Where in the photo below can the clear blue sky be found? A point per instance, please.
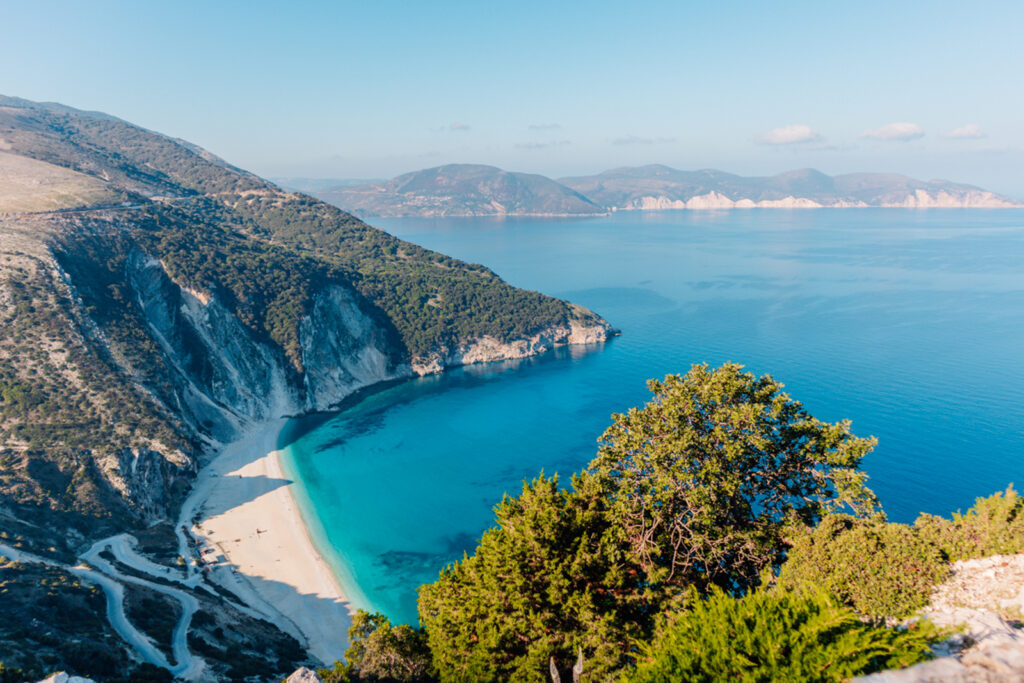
(372, 89)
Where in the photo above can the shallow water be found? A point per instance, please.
(908, 322)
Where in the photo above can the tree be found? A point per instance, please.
(693, 491)
(704, 479)
(548, 580)
(379, 651)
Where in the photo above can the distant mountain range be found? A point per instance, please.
(463, 190)
(478, 190)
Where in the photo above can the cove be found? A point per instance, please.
(907, 322)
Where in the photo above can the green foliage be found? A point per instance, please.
(549, 579)
(765, 637)
(994, 526)
(697, 489)
(10, 675)
(703, 480)
(54, 622)
(379, 651)
(434, 301)
(878, 568)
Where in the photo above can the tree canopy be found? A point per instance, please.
(692, 491)
(702, 480)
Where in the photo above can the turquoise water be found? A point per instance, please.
(910, 323)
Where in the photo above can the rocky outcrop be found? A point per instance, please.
(225, 377)
(151, 480)
(488, 349)
(343, 350)
(62, 677)
(984, 601)
(979, 199)
(303, 675)
(228, 378)
(919, 199)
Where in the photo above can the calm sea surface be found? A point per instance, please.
(908, 322)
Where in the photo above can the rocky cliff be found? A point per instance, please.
(657, 187)
(154, 303)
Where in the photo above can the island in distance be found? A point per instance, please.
(478, 190)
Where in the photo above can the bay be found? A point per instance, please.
(908, 322)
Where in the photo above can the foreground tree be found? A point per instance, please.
(703, 480)
(379, 651)
(549, 579)
(692, 491)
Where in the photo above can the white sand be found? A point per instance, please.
(254, 538)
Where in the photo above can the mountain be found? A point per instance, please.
(155, 303)
(474, 190)
(661, 187)
(462, 190)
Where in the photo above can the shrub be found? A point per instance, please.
(775, 637)
(548, 580)
(994, 526)
(379, 651)
(878, 568)
(10, 675)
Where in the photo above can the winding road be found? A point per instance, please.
(103, 573)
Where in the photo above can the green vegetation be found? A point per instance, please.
(878, 568)
(695, 490)
(379, 651)
(432, 300)
(54, 622)
(763, 637)
(98, 426)
(707, 541)
(552, 577)
(704, 479)
(10, 675)
(994, 526)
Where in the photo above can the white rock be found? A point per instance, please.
(303, 675)
(62, 677)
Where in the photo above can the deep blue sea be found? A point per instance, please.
(908, 322)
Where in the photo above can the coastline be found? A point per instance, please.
(253, 541)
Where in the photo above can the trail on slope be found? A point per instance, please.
(103, 573)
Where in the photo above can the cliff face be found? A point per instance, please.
(343, 350)
(227, 379)
(157, 301)
(654, 188)
(155, 304)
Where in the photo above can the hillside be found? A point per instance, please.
(473, 190)
(462, 190)
(155, 303)
(661, 187)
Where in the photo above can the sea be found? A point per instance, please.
(910, 323)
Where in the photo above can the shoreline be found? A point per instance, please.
(253, 541)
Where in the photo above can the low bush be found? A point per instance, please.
(775, 636)
(879, 569)
(994, 526)
(379, 651)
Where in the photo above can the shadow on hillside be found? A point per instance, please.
(319, 622)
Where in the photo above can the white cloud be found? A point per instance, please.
(895, 131)
(971, 131)
(789, 135)
(459, 126)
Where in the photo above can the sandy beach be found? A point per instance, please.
(253, 542)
